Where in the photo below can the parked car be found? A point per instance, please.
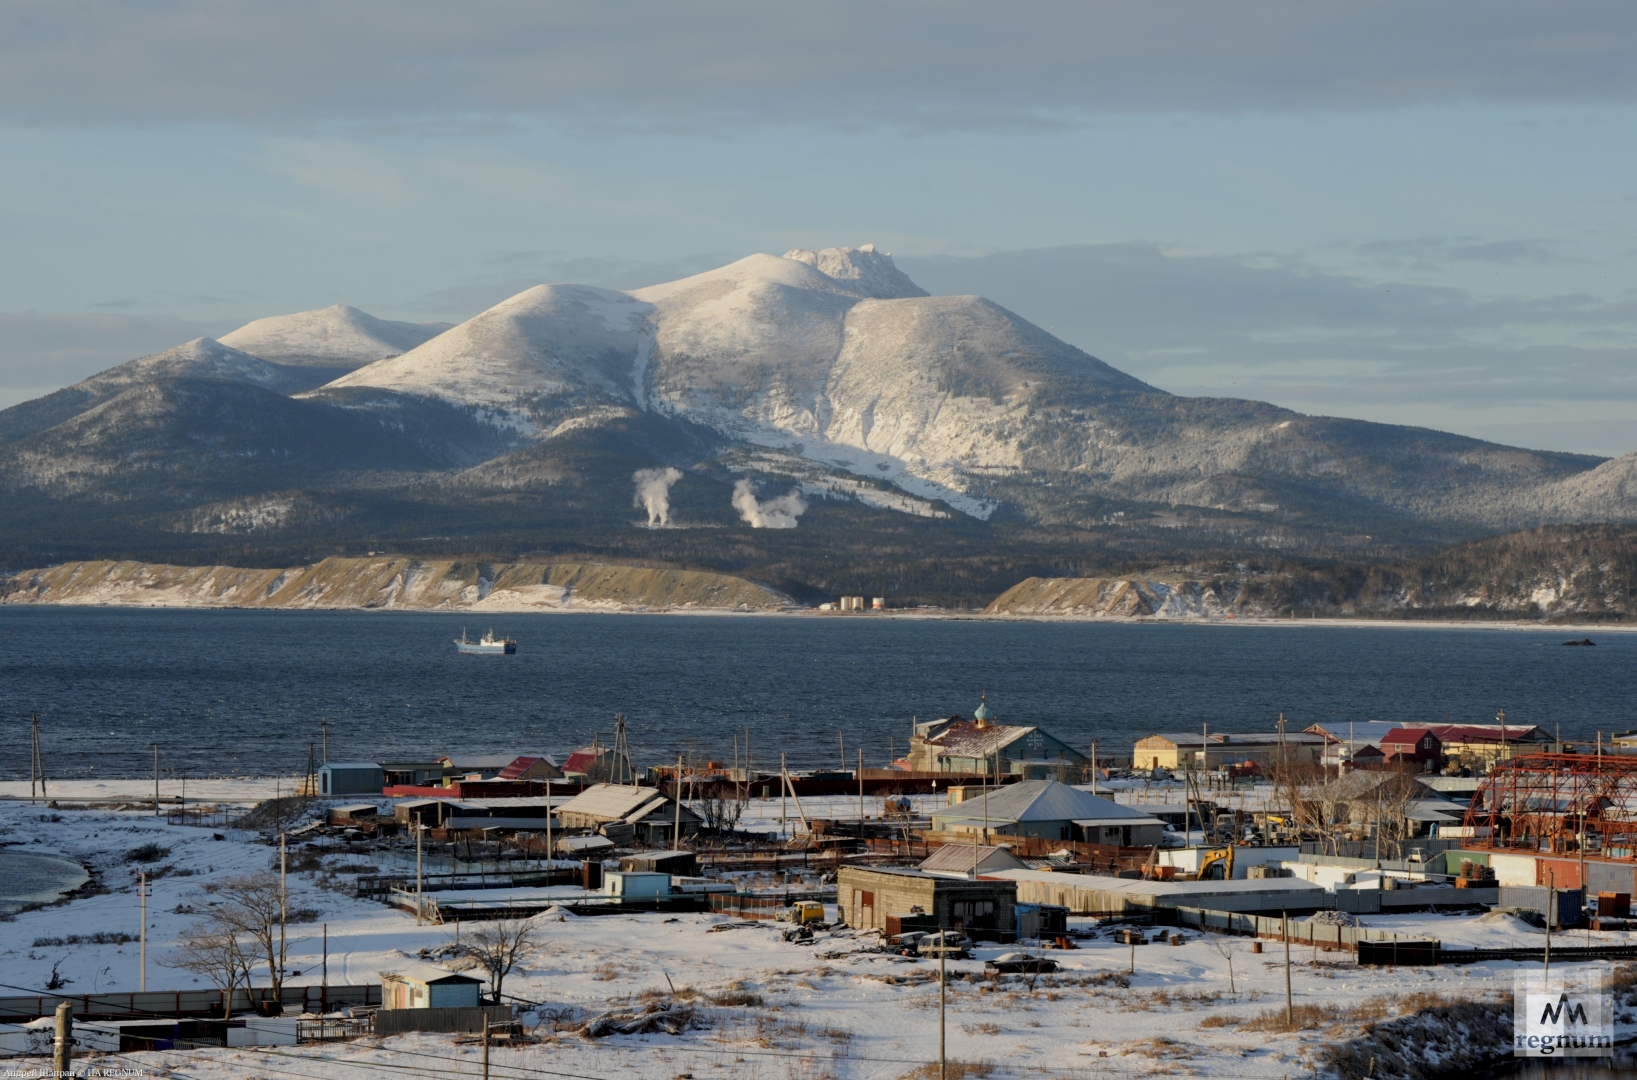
(804, 911)
(1016, 963)
(930, 944)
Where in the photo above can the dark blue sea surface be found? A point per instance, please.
(242, 692)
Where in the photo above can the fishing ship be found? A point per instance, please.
(489, 645)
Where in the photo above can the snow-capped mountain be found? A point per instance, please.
(829, 370)
(335, 336)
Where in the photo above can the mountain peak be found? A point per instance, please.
(869, 271)
(338, 335)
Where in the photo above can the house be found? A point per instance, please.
(680, 863)
(530, 767)
(350, 778)
(474, 766)
(1050, 811)
(1418, 745)
(970, 860)
(425, 986)
(981, 908)
(983, 747)
(596, 764)
(1199, 750)
(530, 813)
(412, 773)
(640, 813)
(1480, 746)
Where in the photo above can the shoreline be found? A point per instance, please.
(1346, 622)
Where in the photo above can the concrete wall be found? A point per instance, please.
(867, 898)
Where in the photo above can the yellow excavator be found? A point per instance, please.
(1216, 865)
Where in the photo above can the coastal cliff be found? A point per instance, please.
(391, 582)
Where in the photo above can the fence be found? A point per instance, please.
(466, 1018)
(1318, 935)
(181, 1003)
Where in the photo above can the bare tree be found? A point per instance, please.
(1394, 795)
(254, 907)
(212, 948)
(499, 947)
(1226, 946)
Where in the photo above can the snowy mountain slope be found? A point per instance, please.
(336, 336)
(528, 359)
(835, 358)
(202, 358)
(187, 432)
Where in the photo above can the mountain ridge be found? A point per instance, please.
(827, 376)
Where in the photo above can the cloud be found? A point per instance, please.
(39, 353)
(920, 63)
(1516, 369)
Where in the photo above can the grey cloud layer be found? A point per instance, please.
(940, 63)
(1312, 339)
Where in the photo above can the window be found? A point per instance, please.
(972, 909)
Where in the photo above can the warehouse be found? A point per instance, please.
(981, 908)
(1050, 811)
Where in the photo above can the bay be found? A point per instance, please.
(242, 692)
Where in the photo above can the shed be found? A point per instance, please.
(426, 986)
(428, 812)
(1051, 811)
(680, 863)
(650, 814)
(353, 812)
(632, 885)
(350, 778)
(981, 908)
(958, 860)
(583, 845)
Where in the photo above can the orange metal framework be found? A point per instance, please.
(1547, 802)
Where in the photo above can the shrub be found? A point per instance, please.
(147, 853)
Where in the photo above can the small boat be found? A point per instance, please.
(488, 646)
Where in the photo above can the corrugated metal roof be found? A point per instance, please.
(611, 802)
(967, 740)
(958, 858)
(1042, 800)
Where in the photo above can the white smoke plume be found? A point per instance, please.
(654, 494)
(780, 513)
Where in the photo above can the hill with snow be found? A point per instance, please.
(335, 336)
(824, 378)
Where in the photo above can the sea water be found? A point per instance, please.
(243, 692)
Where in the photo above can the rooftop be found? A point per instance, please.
(1042, 800)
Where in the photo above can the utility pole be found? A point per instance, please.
(36, 763)
(1290, 1008)
(420, 906)
(842, 735)
(1551, 915)
(62, 1047)
(784, 786)
(155, 779)
(142, 972)
(676, 835)
(485, 1046)
(861, 793)
(1094, 767)
(324, 733)
(943, 987)
(324, 965)
(284, 908)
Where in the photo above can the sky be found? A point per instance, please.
(1402, 212)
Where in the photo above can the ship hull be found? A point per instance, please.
(499, 648)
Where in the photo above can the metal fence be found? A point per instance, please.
(1320, 935)
(467, 1018)
(182, 1003)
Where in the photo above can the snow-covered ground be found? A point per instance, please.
(786, 1010)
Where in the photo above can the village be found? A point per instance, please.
(1345, 900)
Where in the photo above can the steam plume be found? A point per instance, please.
(780, 513)
(654, 494)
